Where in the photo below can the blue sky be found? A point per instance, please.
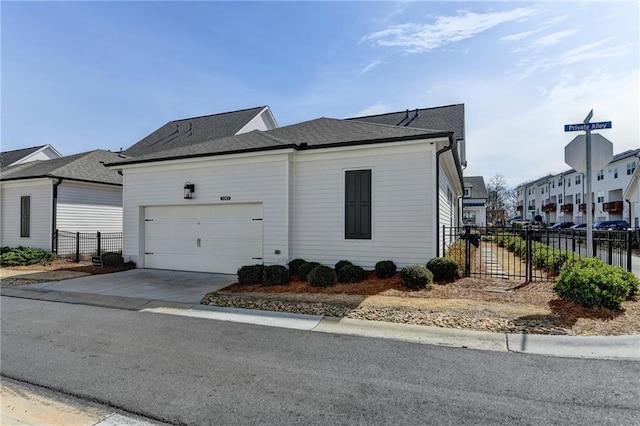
(87, 75)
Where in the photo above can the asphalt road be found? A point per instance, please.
(198, 371)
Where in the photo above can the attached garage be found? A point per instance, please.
(206, 238)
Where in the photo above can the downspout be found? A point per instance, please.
(456, 158)
(54, 209)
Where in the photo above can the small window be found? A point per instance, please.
(559, 198)
(578, 178)
(578, 198)
(467, 192)
(600, 196)
(631, 167)
(553, 183)
(615, 173)
(357, 223)
(600, 175)
(25, 216)
(560, 182)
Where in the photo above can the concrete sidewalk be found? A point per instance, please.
(597, 347)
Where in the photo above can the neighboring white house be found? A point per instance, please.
(322, 190)
(474, 202)
(25, 155)
(632, 196)
(75, 193)
(562, 197)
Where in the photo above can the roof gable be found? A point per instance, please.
(192, 131)
(8, 158)
(477, 186)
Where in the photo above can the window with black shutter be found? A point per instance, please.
(357, 222)
(25, 216)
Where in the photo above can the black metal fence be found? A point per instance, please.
(83, 245)
(530, 254)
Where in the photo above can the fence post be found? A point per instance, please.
(444, 235)
(77, 247)
(629, 248)
(467, 251)
(610, 248)
(98, 238)
(528, 260)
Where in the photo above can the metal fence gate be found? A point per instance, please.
(83, 245)
(530, 254)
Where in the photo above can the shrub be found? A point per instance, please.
(350, 274)
(20, 256)
(294, 266)
(305, 268)
(590, 282)
(443, 269)
(416, 277)
(275, 275)
(385, 269)
(340, 264)
(322, 276)
(112, 260)
(473, 237)
(250, 274)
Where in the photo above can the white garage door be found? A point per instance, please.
(206, 238)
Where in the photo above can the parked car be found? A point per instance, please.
(611, 225)
(562, 225)
(578, 227)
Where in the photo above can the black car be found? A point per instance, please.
(611, 225)
(562, 225)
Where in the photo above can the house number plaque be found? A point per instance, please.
(225, 198)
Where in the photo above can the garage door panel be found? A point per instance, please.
(206, 238)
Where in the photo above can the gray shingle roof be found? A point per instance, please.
(448, 118)
(191, 131)
(321, 132)
(478, 188)
(9, 157)
(87, 166)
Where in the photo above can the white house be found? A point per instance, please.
(322, 190)
(25, 155)
(474, 202)
(562, 197)
(75, 193)
(632, 196)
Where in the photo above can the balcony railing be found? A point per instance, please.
(566, 208)
(547, 208)
(583, 207)
(613, 207)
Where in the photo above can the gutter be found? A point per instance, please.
(54, 209)
(452, 146)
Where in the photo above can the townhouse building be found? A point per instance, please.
(562, 197)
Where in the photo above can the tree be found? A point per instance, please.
(501, 200)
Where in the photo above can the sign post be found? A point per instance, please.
(583, 154)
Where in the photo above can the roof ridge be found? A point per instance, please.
(404, 111)
(218, 113)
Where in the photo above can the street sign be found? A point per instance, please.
(575, 154)
(587, 126)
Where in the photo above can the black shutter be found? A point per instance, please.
(357, 223)
(25, 216)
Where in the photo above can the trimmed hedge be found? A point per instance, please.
(350, 274)
(250, 274)
(590, 282)
(443, 268)
(305, 269)
(385, 269)
(340, 264)
(542, 255)
(322, 276)
(112, 260)
(294, 266)
(417, 277)
(275, 275)
(21, 256)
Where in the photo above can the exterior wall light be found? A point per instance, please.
(189, 189)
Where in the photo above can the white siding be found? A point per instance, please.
(257, 179)
(40, 192)
(89, 207)
(402, 205)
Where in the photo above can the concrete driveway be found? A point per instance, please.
(154, 284)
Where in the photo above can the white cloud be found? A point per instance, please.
(554, 38)
(445, 30)
(377, 108)
(371, 66)
(519, 36)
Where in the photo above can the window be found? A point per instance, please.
(467, 192)
(600, 175)
(469, 217)
(357, 223)
(559, 198)
(25, 216)
(560, 182)
(553, 183)
(615, 173)
(600, 196)
(543, 190)
(578, 198)
(631, 167)
(578, 178)
(568, 182)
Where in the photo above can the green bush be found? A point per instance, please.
(591, 282)
(322, 276)
(385, 269)
(20, 256)
(340, 264)
(416, 277)
(294, 266)
(275, 275)
(443, 268)
(305, 268)
(112, 260)
(250, 274)
(350, 274)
